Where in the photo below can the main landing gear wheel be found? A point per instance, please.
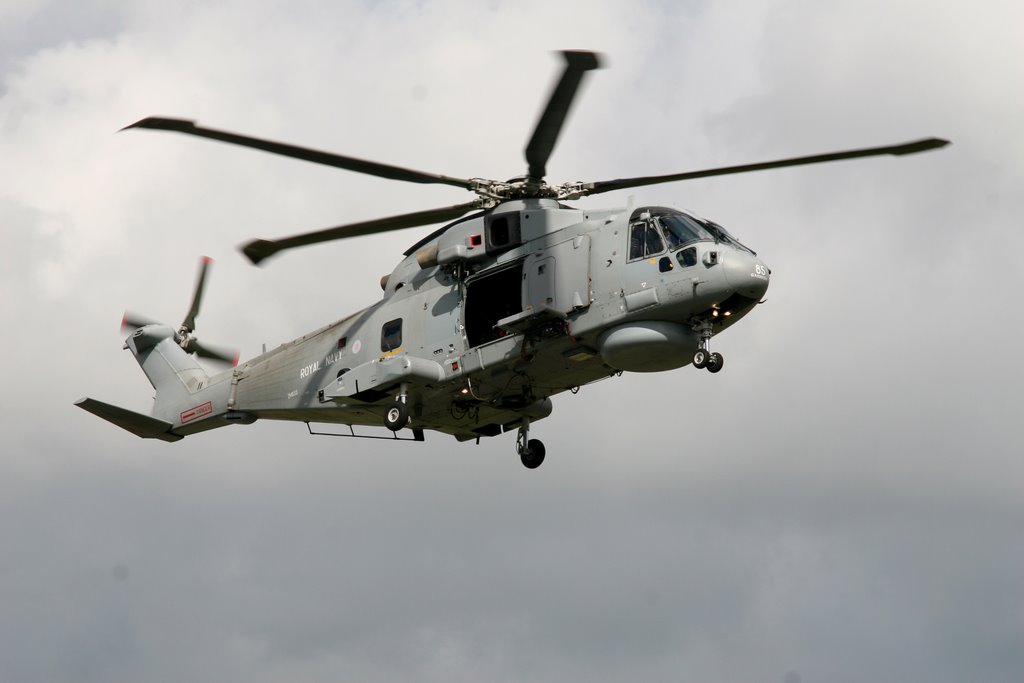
(397, 416)
(701, 358)
(715, 362)
(533, 455)
(531, 451)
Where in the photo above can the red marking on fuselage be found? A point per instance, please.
(197, 412)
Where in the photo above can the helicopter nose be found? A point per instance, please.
(747, 274)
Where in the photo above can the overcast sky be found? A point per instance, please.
(843, 503)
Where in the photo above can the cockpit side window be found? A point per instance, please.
(636, 240)
(644, 240)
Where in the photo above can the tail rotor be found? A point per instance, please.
(185, 334)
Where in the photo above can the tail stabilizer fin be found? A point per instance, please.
(174, 373)
(141, 425)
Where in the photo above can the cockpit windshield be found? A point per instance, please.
(722, 235)
(680, 229)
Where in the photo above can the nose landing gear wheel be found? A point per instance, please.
(397, 416)
(715, 362)
(701, 358)
(533, 455)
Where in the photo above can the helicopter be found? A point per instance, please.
(484, 319)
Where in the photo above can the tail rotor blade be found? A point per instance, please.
(133, 321)
(213, 352)
(189, 323)
(183, 336)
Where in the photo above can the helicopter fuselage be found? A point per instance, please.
(488, 318)
(485, 319)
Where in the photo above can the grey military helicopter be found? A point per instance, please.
(483, 320)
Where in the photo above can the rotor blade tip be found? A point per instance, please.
(162, 123)
(206, 260)
(138, 124)
(922, 146)
(584, 60)
(258, 250)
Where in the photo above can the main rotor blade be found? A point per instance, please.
(317, 157)
(189, 323)
(545, 135)
(257, 250)
(905, 148)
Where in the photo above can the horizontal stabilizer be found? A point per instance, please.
(141, 425)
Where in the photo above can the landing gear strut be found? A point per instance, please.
(703, 357)
(531, 451)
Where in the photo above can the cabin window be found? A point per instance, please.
(644, 241)
(391, 335)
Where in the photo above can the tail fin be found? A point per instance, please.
(173, 373)
(165, 356)
(177, 378)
